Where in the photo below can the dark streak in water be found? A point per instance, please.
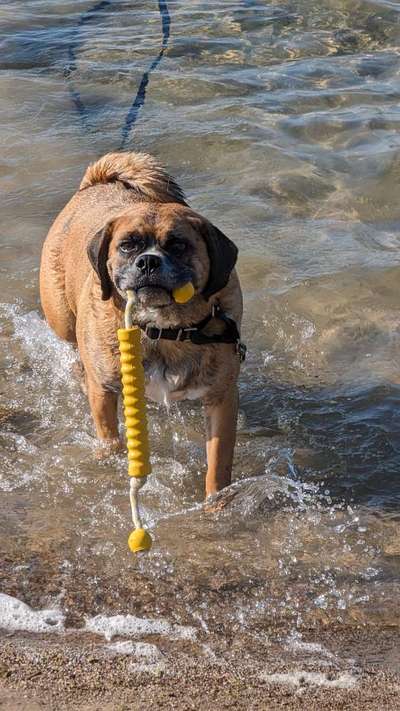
(140, 97)
(71, 67)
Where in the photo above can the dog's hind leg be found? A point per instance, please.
(54, 302)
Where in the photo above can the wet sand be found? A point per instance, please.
(40, 673)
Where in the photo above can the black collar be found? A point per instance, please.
(194, 333)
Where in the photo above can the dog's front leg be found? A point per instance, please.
(221, 420)
(104, 408)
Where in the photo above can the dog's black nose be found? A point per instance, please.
(148, 263)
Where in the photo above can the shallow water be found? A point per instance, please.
(281, 123)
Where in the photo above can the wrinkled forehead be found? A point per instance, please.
(158, 222)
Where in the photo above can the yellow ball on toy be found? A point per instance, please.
(139, 540)
(184, 293)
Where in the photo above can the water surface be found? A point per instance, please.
(281, 122)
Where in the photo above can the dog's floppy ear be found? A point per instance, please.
(97, 251)
(222, 254)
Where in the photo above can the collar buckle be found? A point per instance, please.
(215, 309)
(184, 331)
(241, 350)
(150, 330)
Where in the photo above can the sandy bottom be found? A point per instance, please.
(359, 672)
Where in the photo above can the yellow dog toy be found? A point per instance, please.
(132, 374)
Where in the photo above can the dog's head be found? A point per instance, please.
(155, 248)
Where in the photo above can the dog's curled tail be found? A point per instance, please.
(137, 171)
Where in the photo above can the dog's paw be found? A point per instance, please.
(106, 447)
(217, 502)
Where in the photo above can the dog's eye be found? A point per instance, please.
(176, 246)
(127, 247)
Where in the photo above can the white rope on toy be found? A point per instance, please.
(128, 308)
(136, 485)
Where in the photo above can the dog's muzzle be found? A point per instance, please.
(148, 264)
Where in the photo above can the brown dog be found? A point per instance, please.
(129, 227)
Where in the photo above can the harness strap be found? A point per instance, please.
(194, 333)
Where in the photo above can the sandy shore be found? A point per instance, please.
(359, 672)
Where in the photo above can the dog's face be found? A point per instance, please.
(155, 248)
(153, 252)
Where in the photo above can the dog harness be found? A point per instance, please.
(197, 337)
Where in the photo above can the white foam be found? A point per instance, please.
(131, 626)
(138, 649)
(15, 615)
(208, 652)
(296, 645)
(303, 678)
(147, 657)
(141, 650)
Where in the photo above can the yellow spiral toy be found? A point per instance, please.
(133, 390)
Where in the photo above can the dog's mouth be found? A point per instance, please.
(154, 295)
